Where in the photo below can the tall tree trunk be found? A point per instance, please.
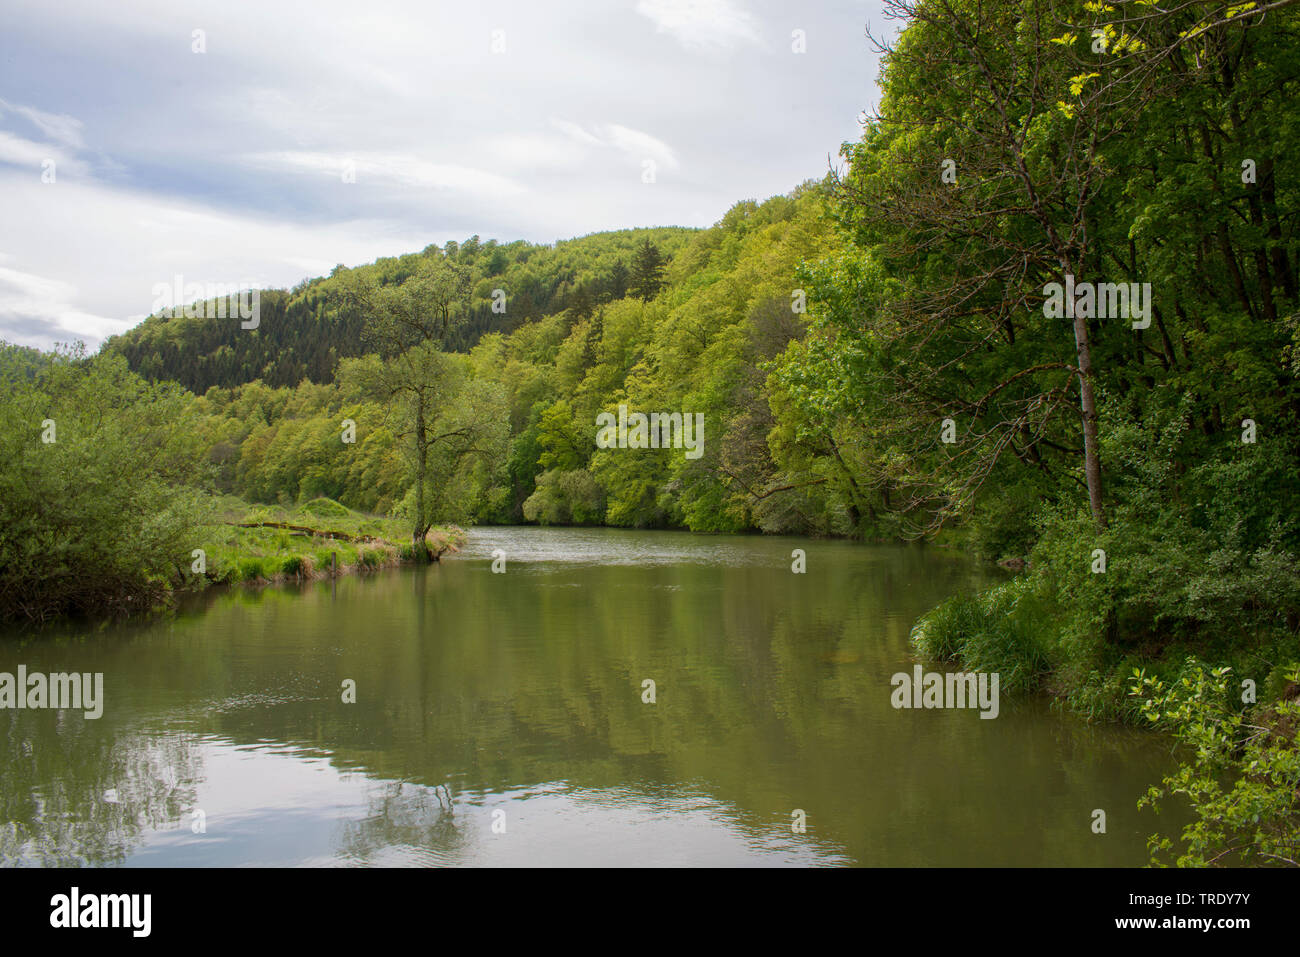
(421, 530)
(1281, 261)
(1088, 408)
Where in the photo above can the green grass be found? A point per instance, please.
(258, 555)
(1001, 630)
(1036, 644)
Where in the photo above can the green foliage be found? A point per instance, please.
(647, 272)
(96, 508)
(303, 333)
(252, 569)
(264, 553)
(1004, 525)
(929, 321)
(523, 403)
(1241, 771)
(324, 508)
(1001, 631)
(561, 438)
(296, 566)
(565, 498)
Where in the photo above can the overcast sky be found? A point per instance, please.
(533, 120)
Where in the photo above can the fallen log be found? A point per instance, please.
(322, 533)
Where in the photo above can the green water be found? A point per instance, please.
(499, 720)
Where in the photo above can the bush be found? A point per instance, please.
(252, 568)
(1198, 561)
(999, 631)
(1003, 525)
(565, 498)
(325, 508)
(297, 566)
(101, 518)
(1241, 772)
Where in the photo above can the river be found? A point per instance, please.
(503, 718)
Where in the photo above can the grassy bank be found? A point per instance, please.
(1090, 608)
(258, 544)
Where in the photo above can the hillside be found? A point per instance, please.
(301, 334)
(695, 340)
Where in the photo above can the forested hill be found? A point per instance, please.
(703, 314)
(302, 333)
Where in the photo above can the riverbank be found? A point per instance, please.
(1087, 610)
(260, 544)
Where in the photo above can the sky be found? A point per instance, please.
(261, 143)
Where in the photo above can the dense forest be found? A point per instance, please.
(301, 334)
(671, 319)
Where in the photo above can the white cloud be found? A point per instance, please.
(22, 152)
(60, 128)
(574, 131)
(396, 168)
(701, 24)
(124, 242)
(56, 126)
(29, 299)
(634, 142)
(641, 144)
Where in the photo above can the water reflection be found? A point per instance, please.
(522, 693)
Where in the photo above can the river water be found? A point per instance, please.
(501, 718)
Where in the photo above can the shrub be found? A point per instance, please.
(101, 518)
(324, 508)
(297, 566)
(1241, 770)
(252, 568)
(999, 631)
(565, 498)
